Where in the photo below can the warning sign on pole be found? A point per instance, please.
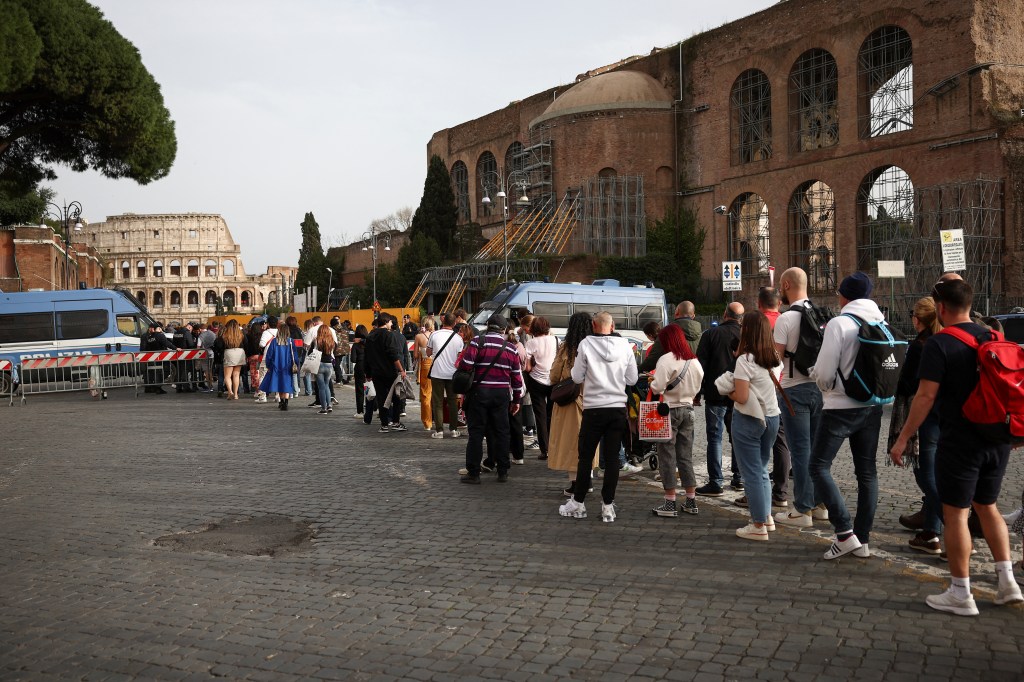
(732, 276)
(953, 257)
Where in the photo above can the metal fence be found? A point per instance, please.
(7, 380)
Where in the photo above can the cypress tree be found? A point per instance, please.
(312, 261)
(437, 214)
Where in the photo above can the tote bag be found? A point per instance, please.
(311, 365)
(652, 426)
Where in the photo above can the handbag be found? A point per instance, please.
(652, 425)
(295, 368)
(565, 392)
(464, 380)
(311, 365)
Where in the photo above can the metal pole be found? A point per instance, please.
(504, 231)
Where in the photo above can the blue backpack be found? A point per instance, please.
(881, 351)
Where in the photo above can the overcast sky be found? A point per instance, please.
(288, 106)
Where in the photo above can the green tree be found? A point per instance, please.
(22, 208)
(437, 214)
(73, 91)
(312, 261)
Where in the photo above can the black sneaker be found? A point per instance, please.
(502, 476)
(741, 501)
(470, 478)
(668, 508)
(913, 521)
(542, 458)
(690, 506)
(384, 429)
(926, 542)
(710, 490)
(736, 484)
(315, 403)
(398, 427)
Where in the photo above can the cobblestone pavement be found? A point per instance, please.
(412, 575)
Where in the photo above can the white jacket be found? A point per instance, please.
(665, 372)
(839, 351)
(605, 365)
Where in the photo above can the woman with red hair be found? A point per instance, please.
(677, 377)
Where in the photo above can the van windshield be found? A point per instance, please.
(486, 310)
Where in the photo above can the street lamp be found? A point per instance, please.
(65, 215)
(330, 280)
(514, 180)
(370, 240)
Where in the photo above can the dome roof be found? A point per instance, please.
(613, 90)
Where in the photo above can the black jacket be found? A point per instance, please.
(155, 341)
(716, 353)
(382, 349)
(183, 338)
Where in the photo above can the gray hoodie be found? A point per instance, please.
(605, 365)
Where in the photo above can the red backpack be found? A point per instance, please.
(996, 406)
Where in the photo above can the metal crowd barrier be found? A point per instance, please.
(102, 371)
(7, 380)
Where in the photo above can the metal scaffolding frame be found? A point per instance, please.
(812, 234)
(611, 217)
(460, 188)
(453, 281)
(813, 91)
(885, 78)
(750, 234)
(534, 159)
(751, 102)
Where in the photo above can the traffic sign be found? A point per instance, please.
(732, 276)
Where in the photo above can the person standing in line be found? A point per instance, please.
(399, 339)
(298, 341)
(359, 368)
(563, 441)
(969, 470)
(717, 355)
(279, 357)
(540, 355)
(423, 364)
(496, 393)
(686, 321)
(384, 365)
(844, 418)
(443, 348)
(234, 357)
(677, 378)
(204, 366)
(605, 365)
(325, 343)
(755, 419)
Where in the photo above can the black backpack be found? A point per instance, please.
(881, 351)
(812, 327)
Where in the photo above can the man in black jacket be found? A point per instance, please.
(154, 340)
(685, 313)
(383, 365)
(184, 369)
(716, 355)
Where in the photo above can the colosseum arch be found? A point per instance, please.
(193, 268)
(175, 268)
(193, 297)
(228, 268)
(158, 299)
(176, 298)
(229, 299)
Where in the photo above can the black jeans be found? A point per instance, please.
(382, 385)
(605, 426)
(487, 416)
(360, 382)
(780, 465)
(540, 396)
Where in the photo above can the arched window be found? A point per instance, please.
(193, 297)
(229, 299)
(460, 187)
(211, 298)
(748, 243)
(885, 215)
(210, 268)
(158, 268)
(141, 269)
(158, 299)
(813, 111)
(487, 180)
(126, 270)
(175, 268)
(246, 299)
(515, 160)
(885, 83)
(751, 118)
(141, 295)
(193, 268)
(176, 298)
(229, 268)
(812, 234)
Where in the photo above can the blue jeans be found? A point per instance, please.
(800, 432)
(752, 444)
(924, 474)
(307, 384)
(323, 376)
(861, 426)
(714, 419)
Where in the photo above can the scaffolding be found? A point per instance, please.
(611, 218)
(812, 230)
(454, 281)
(751, 117)
(534, 160)
(813, 92)
(535, 231)
(885, 73)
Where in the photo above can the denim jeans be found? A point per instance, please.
(323, 376)
(752, 444)
(715, 421)
(307, 384)
(861, 426)
(924, 474)
(800, 432)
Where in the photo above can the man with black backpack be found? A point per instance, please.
(969, 466)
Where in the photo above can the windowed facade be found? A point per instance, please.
(813, 94)
(515, 160)
(141, 269)
(193, 298)
(751, 104)
(193, 268)
(885, 215)
(487, 181)
(210, 268)
(158, 268)
(812, 234)
(176, 298)
(460, 187)
(749, 230)
(175, 268)
(885, 83)
(158, 299)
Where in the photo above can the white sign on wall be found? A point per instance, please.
(732, 276)
(894, 269)
(953, 257)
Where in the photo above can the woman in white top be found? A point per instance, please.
(540, 353)
(677, 377)
(755, 419)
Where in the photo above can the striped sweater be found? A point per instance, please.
(507, 370)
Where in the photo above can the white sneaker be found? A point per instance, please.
(455, 433)
(630, 469)
(357, 415)
(752, 532)
(1008, 595)
(795, 519)
(863, 552)
(839, 549)
(608, 512)
(261, 399)
(463, 471)
(950, 604)
(820, 513)
(769, 524)
(437, 434)
(574, 509)
(1012, 517)
(520, 462)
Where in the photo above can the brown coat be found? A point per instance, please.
(563, 443)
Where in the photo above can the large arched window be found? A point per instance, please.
(193, 297)
(885, 215)
(158, 299)
(812, 234)
(176, 298)
(229, 299)
(748, 243)
(158, 268)
(140, 268)
(487, 181)
(175, 268)
(515, 160)
(193, 268)
(751, 103)
(141, 295)
(246, 299)
(229, 268)
(813, 111)
(885, 83)
(126, 270)
(211, 298)
(460, 187)
(210, 268)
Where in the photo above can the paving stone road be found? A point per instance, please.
(414, 576)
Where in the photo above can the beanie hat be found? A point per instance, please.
(857, 285)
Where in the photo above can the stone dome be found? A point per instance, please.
(613, 90)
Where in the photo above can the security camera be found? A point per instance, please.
(721, 210)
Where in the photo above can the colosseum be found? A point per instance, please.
(184, 265)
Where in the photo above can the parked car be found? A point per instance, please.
(1013, 326)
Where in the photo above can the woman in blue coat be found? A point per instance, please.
(279, 357)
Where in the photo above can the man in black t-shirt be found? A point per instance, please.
(968, 469)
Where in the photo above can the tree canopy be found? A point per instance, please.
(312, 261)
(437, 214)
(73, 91)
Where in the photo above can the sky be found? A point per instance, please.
(283, 107)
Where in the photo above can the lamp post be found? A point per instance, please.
(514, 180)
(370, 239)
(330, 280)
(65, 215)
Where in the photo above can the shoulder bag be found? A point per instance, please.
(464, 380)
(311, 365)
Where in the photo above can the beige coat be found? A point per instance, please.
(563, 443)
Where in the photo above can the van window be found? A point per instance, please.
(618, 312)
(129, 325)
(557, 314)
(26, 327)
(81, 324)
(650, 313)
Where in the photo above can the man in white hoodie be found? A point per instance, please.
(605, 365)
(843, 418)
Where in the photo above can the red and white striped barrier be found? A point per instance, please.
(48, 363)
(5, 365)
(168, 355)
(116, 358)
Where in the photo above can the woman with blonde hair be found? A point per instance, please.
(279, 357)
(423, 364)
(234, 357)
(325, 343)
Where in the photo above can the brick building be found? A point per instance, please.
(831, 136)
(33, 257)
